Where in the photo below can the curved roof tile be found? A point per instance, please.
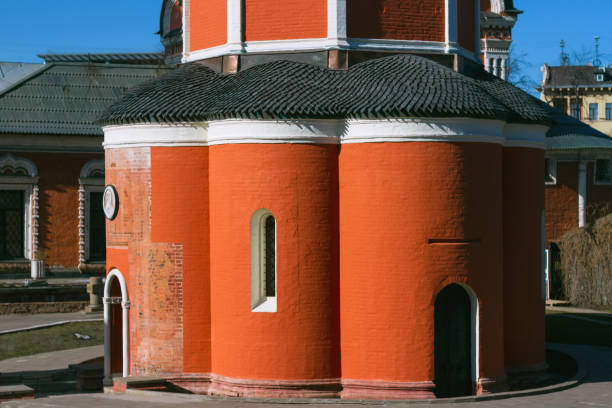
(396, 86)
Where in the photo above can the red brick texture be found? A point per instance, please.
(523, 303)
(284, 19)
(422, 198)
(298, 184)
(413, 217)
(207, 23)
(466, 24)
(59, 205)
(180, 198)
(562, 201)
(396, 19)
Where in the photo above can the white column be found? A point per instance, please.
(504, 68)
(186, 32)
(477, 28)
(107, 346)
(495, 67)
(234, 26)
(125, 305)
(451, 24)
(336, 21)
(582, 193)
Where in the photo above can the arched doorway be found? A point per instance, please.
(116, 307)
(454, 338)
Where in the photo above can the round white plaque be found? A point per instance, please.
(110, 202)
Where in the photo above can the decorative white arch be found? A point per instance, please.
(18, 173)
(91, 180)
(125, 305)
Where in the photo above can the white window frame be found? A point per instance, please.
(602, 183)
(553, 172)
(259, 301)
(87, 185)
(29, 185)
(596, 111)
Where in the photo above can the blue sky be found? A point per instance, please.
(31, 27)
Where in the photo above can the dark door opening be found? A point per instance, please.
(452, 342)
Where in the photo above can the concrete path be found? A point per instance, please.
(16, 322)
(55, 360)
(595, 391)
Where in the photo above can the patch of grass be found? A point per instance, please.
(563, 329)
(50, 339)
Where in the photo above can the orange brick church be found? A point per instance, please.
(329, 198)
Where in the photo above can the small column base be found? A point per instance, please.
(387, 390)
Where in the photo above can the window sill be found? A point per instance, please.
(268, 306)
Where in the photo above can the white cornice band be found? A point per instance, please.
(326, 131)
(320, 44)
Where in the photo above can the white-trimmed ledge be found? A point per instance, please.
(267, 306)
(326, 131)
(322, 44)
(151, 135)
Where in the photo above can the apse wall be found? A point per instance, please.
(431, 217)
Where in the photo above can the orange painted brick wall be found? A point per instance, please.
(523, 303)
(59, 205)
(154, 273)
(394, 199)
(298, 184)
(562, 201)
(284, 19)
(207, 23)
(396, 19)
(180, 215)
(466, 24)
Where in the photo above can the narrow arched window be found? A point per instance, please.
(263, 262)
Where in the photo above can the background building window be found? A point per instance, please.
(263, 262)
(575, 111)
(608, 111)
(550, 171)
(92, 224)
(12, 226)
(593, 111)
(603, 171)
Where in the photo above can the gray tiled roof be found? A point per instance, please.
(571, 134)
(12, 72)
(576, 76)
(150, 58)
(396, 86)
(66, 99)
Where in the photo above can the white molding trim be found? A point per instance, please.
(186, 31)
(145, 135)
(477, 27)
(234, 26)
(259, 301)
(327, 131)
(235, 131)
(8, 160)
(125, 306)
(529, 136)
(87, 185)
(90, 167)
(424, 130)
(319, 44)
(29, 185)
(336, 20)
(450, 24)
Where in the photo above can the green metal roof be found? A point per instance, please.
(67, 99)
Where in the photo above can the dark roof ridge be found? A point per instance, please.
(402, 85)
